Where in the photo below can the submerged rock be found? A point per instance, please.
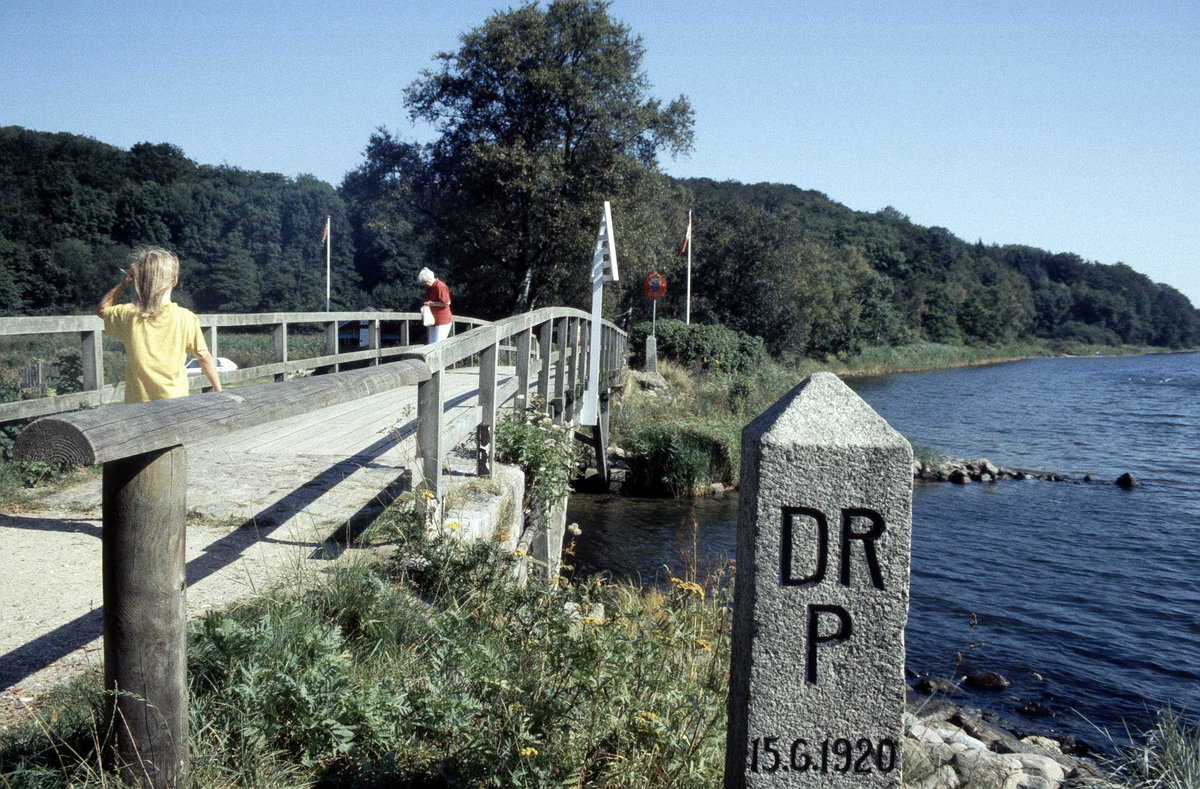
(1126, 481)
(986, 680)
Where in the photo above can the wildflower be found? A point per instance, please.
(688, 587)
(574, 529)
(519, 552)
(453, 525)
(591, 620)
(644, 721)
(529, 751)
(427, 494)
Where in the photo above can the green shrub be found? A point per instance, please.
(676, 460)
(711, 345)
(544, 451)
(436, 670)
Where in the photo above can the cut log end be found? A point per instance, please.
(53, 440)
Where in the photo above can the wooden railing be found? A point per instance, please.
(406, 327)
(144, 482)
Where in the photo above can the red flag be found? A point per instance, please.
(687, 239)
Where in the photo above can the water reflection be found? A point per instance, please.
(638, 538)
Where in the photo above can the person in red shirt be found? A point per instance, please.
(437, 299)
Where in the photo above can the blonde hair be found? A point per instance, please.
(155, 271)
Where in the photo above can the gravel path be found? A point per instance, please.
(251, 520)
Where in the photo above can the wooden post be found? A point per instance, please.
(92, 358)
(600, 437)
(331, 345)
(545, 347)
(572, 369)
(210, 339)
(560, 372)
(430, 397)
(524, 346)
(145, 617)
(373, 339)
(281, 349)
(487, 403)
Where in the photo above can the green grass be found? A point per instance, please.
(434, 671)
(1166, 756)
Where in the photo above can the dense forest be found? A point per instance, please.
(534, 135)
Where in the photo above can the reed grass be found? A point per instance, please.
(1165, 756)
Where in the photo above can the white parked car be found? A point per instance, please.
(223, 366)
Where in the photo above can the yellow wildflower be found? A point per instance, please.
(453, 525)
(689, 587)
(529, 751)
(519, 552)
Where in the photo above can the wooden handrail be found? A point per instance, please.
(104, 434)
(96, 392)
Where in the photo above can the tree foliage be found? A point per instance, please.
(74, 209)
(541, 115)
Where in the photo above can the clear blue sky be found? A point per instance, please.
(1068, 125)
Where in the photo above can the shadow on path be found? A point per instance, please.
(44, 650)
(39, 653)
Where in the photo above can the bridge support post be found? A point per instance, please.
(331, 346)
(488, 360)
(524, 346)
(600, 434)
(546, 349)
(572, 369)
(92, 359)
(281, 349)
(374, 335)
(145, 616)
(560, 371)
(430, 398)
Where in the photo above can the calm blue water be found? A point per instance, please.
(1093, 588)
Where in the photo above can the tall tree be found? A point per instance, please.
(542, 115)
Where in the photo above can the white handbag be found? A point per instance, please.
(426, 315)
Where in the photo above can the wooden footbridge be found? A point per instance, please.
(451, 390)
(387, 397)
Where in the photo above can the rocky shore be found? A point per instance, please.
(952, 747)
(964, 472)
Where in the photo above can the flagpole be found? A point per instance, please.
(688, 309)
(328, 244)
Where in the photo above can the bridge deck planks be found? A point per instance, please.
(360, 427)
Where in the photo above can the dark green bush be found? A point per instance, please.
(712, 345)
(675, 460)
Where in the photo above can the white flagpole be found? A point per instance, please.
(688, 309)
(328, 244)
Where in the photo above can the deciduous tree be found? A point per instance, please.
(541, 115)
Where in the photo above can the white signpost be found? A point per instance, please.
(604, 269)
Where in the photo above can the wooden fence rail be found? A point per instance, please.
(142, 448)
(407, 332)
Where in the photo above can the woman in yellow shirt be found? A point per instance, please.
(157, 333)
